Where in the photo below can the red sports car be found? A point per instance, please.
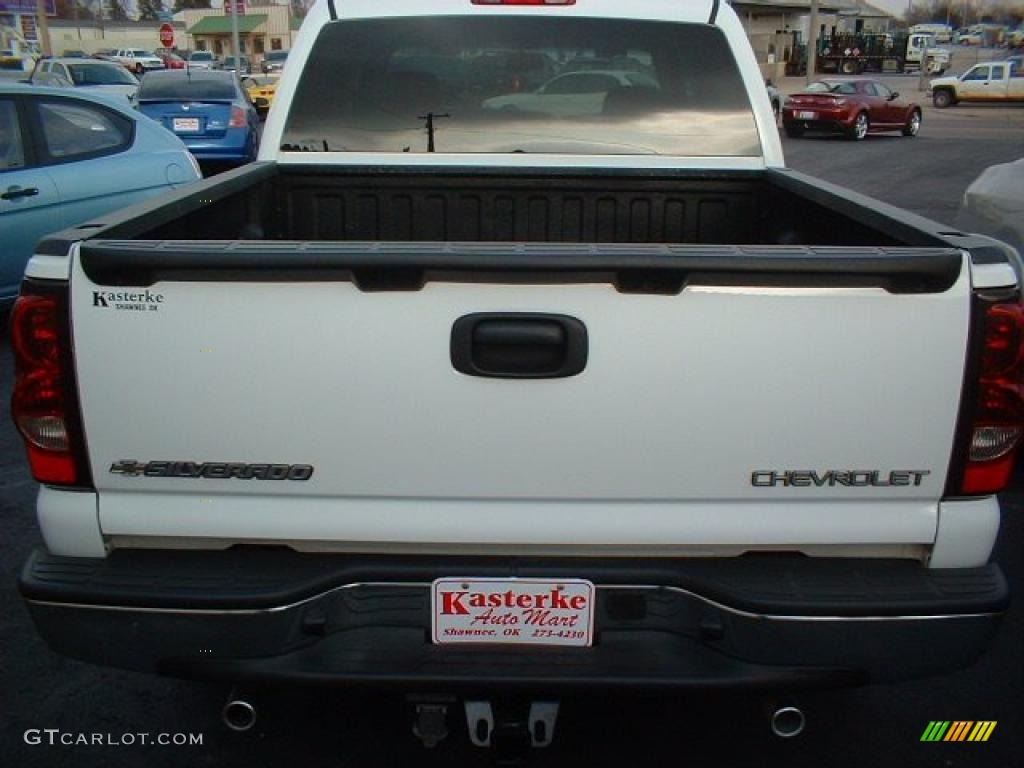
(854, 107)
(171, 60)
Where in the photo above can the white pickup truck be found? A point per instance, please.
(990, 82)
(137, 60)
(458, 398)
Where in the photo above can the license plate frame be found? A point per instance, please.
(806, 115)
(512, 612)
(185, 124)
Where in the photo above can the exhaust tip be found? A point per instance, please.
(239, 715)
(788, 722)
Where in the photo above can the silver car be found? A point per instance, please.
(86, 76)
(202, 60)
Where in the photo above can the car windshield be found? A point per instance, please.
(259, 80)
(201, 56)
(140, 52)
(522, 84)
(276, 56)
(100, 74)
(185, 88)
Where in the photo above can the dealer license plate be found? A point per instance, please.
(806, 115)
(186, 124)
(513, 611)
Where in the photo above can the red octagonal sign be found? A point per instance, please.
(166, 35)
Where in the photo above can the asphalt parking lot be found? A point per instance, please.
(870, 726)
(927, 174)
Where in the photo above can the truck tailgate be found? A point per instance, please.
(808, 406)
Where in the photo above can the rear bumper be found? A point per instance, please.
(275, 616)
(836, 121)
(235, 145)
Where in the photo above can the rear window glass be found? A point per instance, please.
(72, 130)
(98, 73)
(185, 87)
(544, 85)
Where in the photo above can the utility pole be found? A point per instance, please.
(43, 28)
(812, 43)
(923, 76)
(234, 36)
(430, 117)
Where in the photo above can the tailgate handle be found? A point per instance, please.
(519, 345)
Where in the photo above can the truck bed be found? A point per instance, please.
(772, 207)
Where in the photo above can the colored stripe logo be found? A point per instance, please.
(958, 730)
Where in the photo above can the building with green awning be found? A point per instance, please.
(213, 33)
(261, 28)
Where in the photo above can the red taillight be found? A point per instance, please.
(997, 421)
(237, 118)
(44, 404)
(524, 2)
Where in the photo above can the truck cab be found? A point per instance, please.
(938, 58)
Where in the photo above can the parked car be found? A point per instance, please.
(203, 60)
(87, 75)
(11, 61)
(994, 205)
(242, 66)
(137, 60)
(971, 38)
(74, 53)
(573, 94)
(261, 90)
(67, 156)
(208, 110)
(104, 54)
(853, 107)
(273, 61)
(171, 60)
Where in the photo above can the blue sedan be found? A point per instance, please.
(67, 157)
(207, 109)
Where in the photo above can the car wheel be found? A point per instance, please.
(942, 99)
(793, 130)
(859, 130)
(913, 124)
